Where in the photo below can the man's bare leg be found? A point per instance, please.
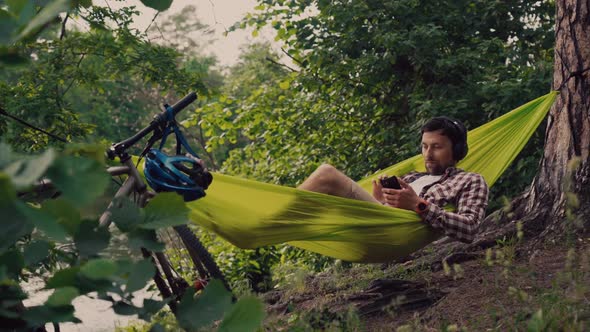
(329, 180)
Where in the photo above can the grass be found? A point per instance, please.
(524, 296)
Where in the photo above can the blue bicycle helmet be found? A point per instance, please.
(181, 174)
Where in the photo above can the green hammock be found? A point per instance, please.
(251, 214)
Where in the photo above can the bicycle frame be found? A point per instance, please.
(133, 184)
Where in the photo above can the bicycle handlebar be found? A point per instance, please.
(184, 102)
(161, 118)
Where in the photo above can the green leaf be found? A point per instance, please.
(165, 210)
(8, 26)
(65, 214)
(25, 172)
(6, 154)
(86, 285)
(80, 180)
(16, 6)
(13, 223)
(537, 323)
(145, 238)
(13, 261)
(245, 316)
(86, 150)
(44, 220)
(35, 252)
(142, 272)
(150, 307)
(157, 328)
(84, 3)
(11, 293)
(27, 12)
(159, 5)
(47, 14)
(63, 278)
(211, 306)
(125, 214)
(7, 191)
(99, 269)
(125, 309)
(11, 55)
(62, 296)
(284, 85)
(39, 315)
(91, 239)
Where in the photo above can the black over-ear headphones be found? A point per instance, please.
(460, 147)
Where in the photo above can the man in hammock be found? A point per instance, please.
(444, 143)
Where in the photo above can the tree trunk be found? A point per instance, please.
(559, 196)
(558, 201)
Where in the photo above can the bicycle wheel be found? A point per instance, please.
(185, 262)
(199, 255)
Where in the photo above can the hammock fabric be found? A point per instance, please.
(251, 214)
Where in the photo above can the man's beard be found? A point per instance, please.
(436, 169)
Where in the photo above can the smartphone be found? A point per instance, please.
(391, 182)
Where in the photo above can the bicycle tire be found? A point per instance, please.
(199, 254)
(165, 289)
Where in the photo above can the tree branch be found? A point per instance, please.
(281, 64)
(3, 112)
(153, 19)
(290, 56)
(215, 16)
(63, 26)
(73, 79)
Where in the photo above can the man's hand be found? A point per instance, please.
(378, 189)
(404, 198)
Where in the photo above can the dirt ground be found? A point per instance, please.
(96, 315)
(502, 290)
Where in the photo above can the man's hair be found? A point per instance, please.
(454, 130)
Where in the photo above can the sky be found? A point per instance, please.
(219, 14)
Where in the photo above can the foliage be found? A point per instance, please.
(34, 234)
(325, 320)
(98, 82)
(216, 122)
(210, 310)
(22, 20)
(72, 76)
(368, 74)
(164, 320)
(260, 268)
(189, 37)
(361, 75)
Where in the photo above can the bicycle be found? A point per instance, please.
(167, 280)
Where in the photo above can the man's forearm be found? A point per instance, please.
(460, 226)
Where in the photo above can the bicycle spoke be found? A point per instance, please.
(174, 244)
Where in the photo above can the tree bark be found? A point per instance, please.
(559, 195)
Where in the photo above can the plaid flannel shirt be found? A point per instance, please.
(468, 192)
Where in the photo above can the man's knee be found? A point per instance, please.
(327, 179)
(327, 170)
(328, 175)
